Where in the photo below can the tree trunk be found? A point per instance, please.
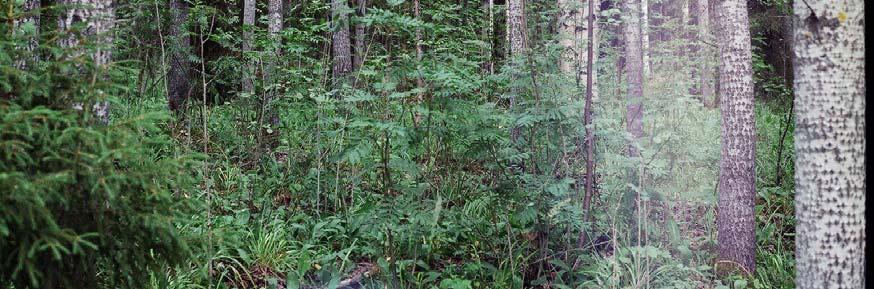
(420, 82)
(587, 116)
(570, 36)
(340, 41)
(32, 16)
(829, 81)
(634, 100)
(274, 14)
(634, 73)
(178, 78)
(644, 36)
(735, 221)
(99, 17)
(249, 65)
(488, 11)
(516, 30)
(360, 36)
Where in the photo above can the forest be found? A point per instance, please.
(445, 144)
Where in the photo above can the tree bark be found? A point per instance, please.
(360, 36)
(488, 10)
(31, 16)
(570, 35)
(644, 36)
(340, 41)
(634, 73)
(735, 221)
(178, 77)
(587, 117)
(99, 17)
(829, 82)
(248, 79)
(516, 30)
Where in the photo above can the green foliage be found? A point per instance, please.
(82, 204)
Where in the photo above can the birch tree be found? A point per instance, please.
(98, 17)
(28, 24)
(829, 84)
(735, 221)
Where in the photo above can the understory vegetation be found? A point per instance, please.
(409, 186)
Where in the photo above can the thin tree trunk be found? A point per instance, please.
(360, 36)
(340, 42)
(829, 81)
(644, 36)
(420, 82)
(516, 30)
(248, 78)
(736, 228)
(634, 73)
(178, 78)
(587, 118)
(488, 10)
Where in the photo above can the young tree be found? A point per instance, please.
(587, 115)
(830, 144)
(178, 78)
(248, 78)
(735, 221)
(340, 41)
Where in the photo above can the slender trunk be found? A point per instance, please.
(692, 28)
(829, 81)
(634, 73)
(360, 36)
(644, 36)
(340, 42)
(248, 27)
(178, 78)
(735, 222)
(420, 82)
(587, 118)
(516, 29)
(488, 10)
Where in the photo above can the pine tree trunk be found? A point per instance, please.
(829, 81)
(735, 221)
(340, 41)
(178, 78)
(360, 37)
(248, 79)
